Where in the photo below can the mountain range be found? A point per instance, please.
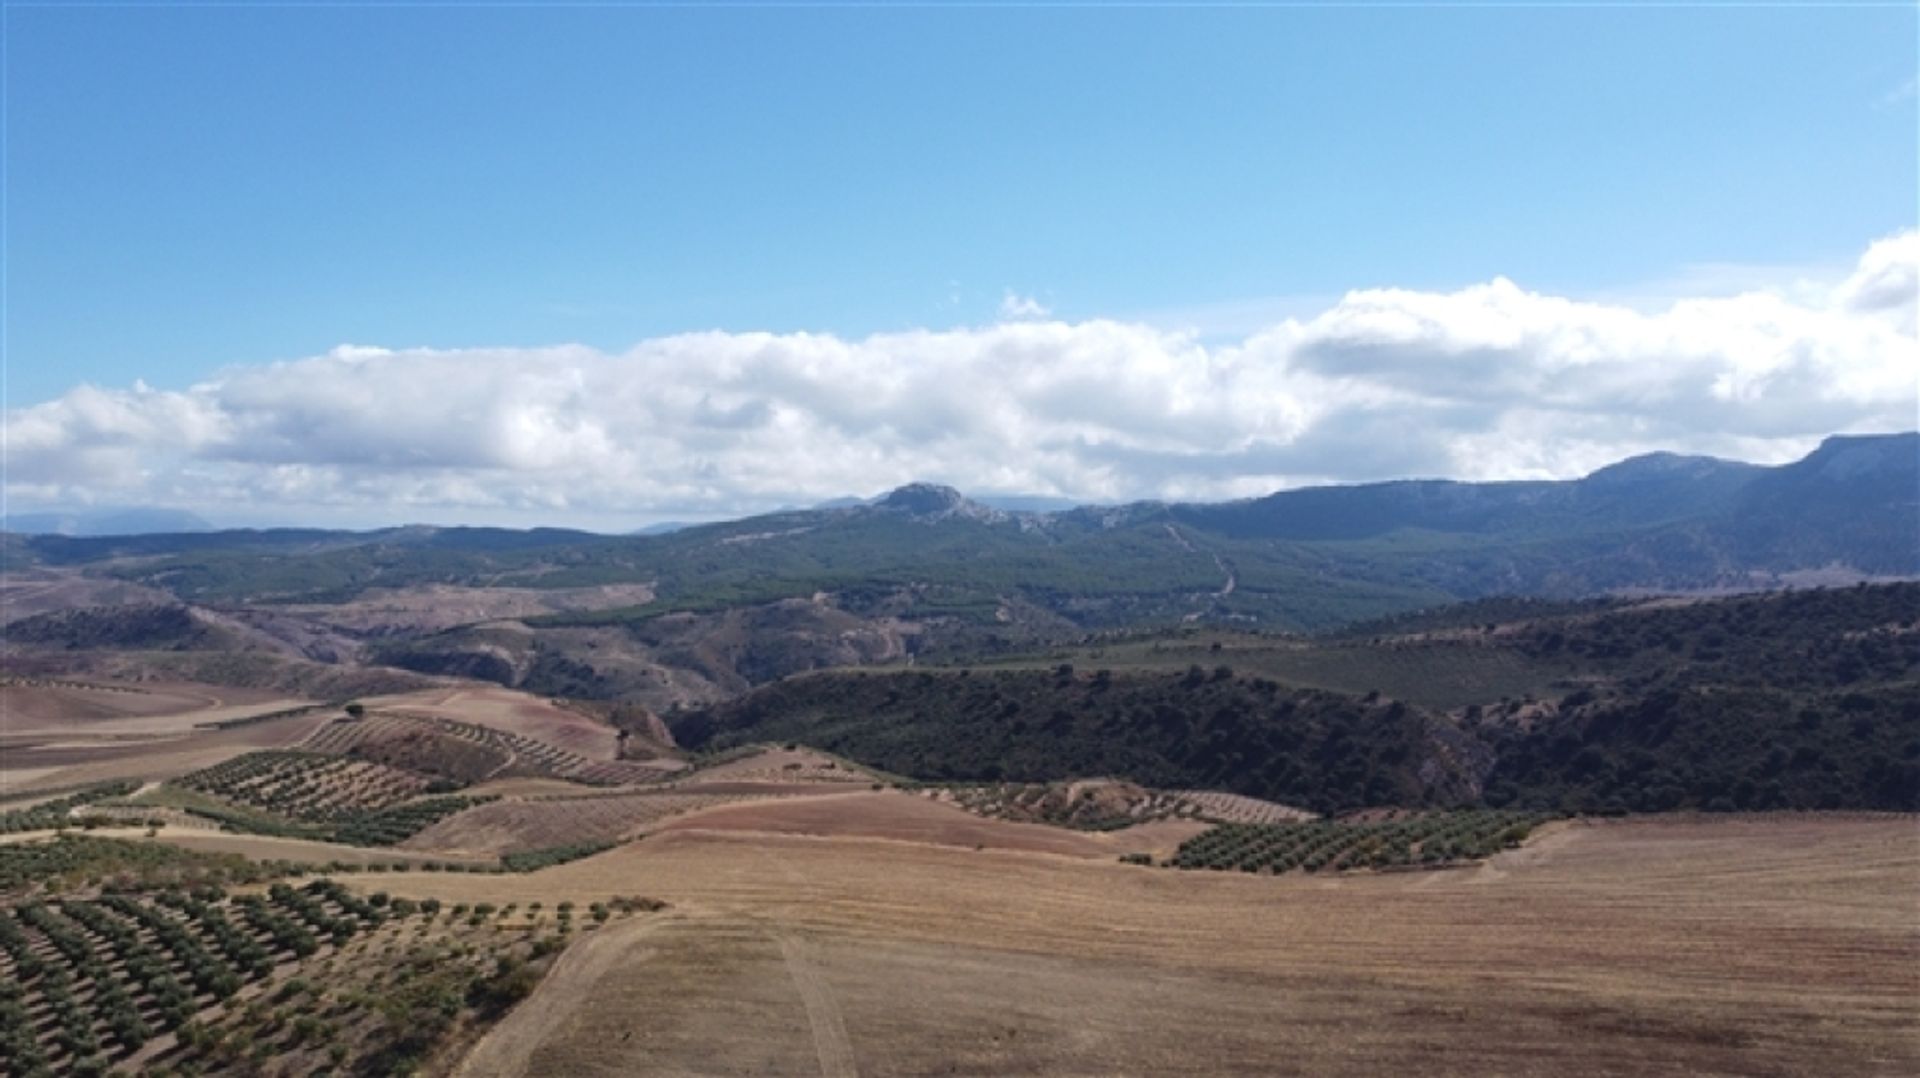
(1301, 559)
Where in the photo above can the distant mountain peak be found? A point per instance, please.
(932, 501)
(1847, 457)
(1664, 466)
(922, 499)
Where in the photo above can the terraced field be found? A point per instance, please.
(307, 785)
(493, 753)
(509, 712)
(410, 744)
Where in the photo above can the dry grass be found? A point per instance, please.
(27, 765)
(515, 825)
(1786, 945)
(100, 707)
(901, 817)
(781, 765)
(195, 835)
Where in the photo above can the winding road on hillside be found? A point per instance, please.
(1226, 568)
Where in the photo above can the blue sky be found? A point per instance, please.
(191, 190)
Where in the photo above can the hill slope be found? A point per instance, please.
(1795, 700)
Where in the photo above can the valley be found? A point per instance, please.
(921, 798)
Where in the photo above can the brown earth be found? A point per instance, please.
(529, 787)
(35, 705)
(1784, 945)
(783, 765)
(890, 814)
(409, 744)
(34, 764)
(265, 847)
(516, 825)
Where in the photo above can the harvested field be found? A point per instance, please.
(1781, 945)
(60, 704)
(34, 765)
(268, 847)
(512, 826)
(101, 707)
(781, 765)
(890, 814)
(529, 787)
(810, 789)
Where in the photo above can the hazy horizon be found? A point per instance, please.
(89, 516)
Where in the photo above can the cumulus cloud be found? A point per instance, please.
(1490, 381)
(1015, 306)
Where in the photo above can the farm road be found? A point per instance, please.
(508, 1047)
(830, 1040)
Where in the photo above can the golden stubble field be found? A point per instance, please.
(57, 734)
(1784, 945)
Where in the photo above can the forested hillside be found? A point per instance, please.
(1793, 700)
(1204, 728)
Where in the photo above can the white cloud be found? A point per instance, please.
(1014, 306)
(1491, 381)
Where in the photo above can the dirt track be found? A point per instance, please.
(543, 1017)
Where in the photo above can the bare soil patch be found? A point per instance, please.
(516, 825)
(33, 705)
(890, 814)
(26, 764)
(529, 787)
(782, 765)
